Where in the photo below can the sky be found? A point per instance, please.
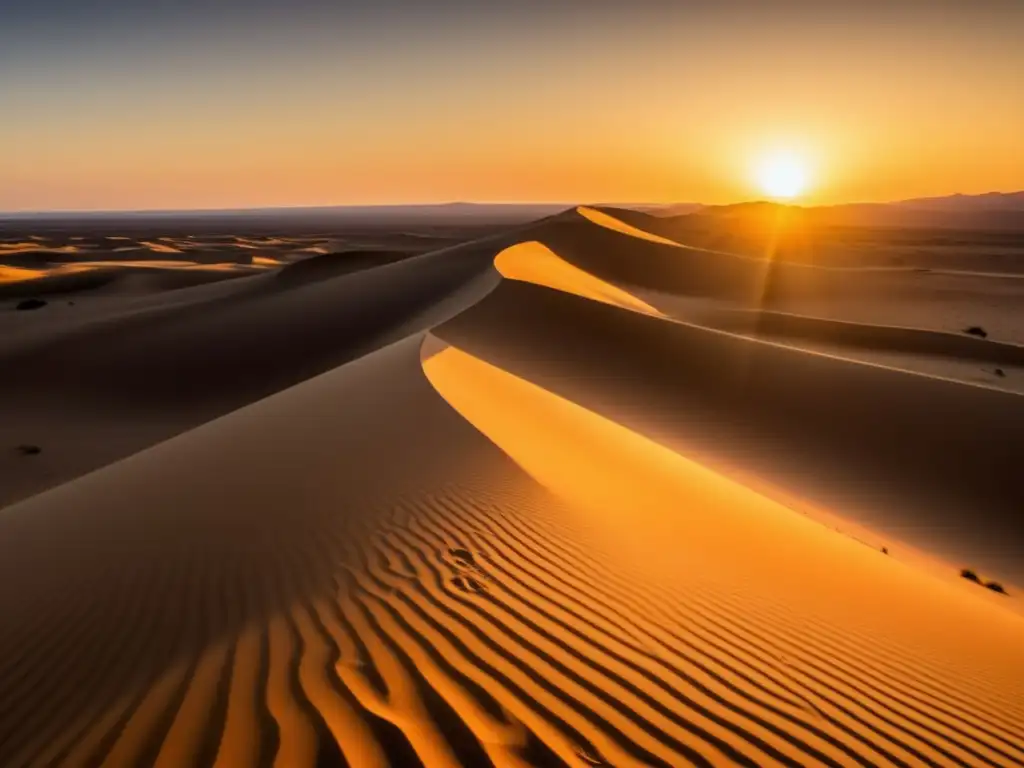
(131, 105)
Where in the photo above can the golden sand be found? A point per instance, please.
(424, 555)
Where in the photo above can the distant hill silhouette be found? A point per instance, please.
(990, 201)
(996, 211)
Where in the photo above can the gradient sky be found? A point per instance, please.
(137, 104)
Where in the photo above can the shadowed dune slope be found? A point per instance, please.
(620, 252)
(597, 244)
(68, 283)
(616, 251)
(338, 263)
(43, 283)
(504, 531)
(947, 469)
(784, 325)
(36, 259)
(902, 310)
(145, 376)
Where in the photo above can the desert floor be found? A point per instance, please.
(575, 492)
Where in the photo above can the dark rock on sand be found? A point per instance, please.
(30, 304)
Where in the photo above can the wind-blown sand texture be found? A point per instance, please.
(504, 503)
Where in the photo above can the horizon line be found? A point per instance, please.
(452, 203)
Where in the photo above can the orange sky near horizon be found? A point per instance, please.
(645, 111)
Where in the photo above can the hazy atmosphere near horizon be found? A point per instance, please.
(115, 104)
(540, 384)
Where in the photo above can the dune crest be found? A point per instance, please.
(608, 221)
(18, 274)
(533, 262)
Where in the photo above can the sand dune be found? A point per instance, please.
(11, 274)
(123, 276)
(494, 505)
(533, 262)
(786, 325)
(202, 359)
(938, 352)
(60, 264)
(332, 264)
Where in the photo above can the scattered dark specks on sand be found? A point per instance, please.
(29, 450)
(30, 304)
(976, 330)
(970, 575)
(1000, 373)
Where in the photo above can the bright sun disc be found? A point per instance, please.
(782, 175)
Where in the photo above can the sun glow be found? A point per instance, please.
(782, 175)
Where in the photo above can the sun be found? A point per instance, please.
(782, 175)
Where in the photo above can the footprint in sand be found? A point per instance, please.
(590, 756)
(471, 576)
(463, 557)
(469, 584)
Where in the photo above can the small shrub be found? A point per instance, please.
(995, 586)
(976, 330)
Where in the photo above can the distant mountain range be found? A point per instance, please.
(1002, 211)
(990, 201)
(999, 211)
(434, 212)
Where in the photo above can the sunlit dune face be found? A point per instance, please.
(534, 262)
(782, 175)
